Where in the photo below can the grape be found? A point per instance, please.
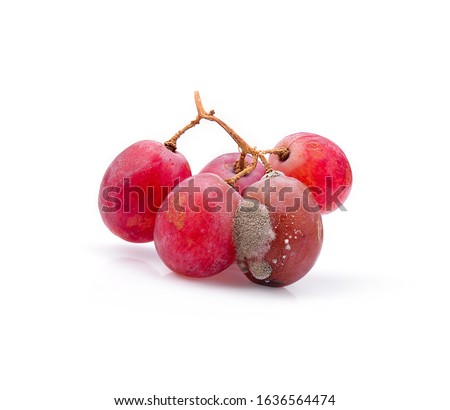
(193, 231)
(320, 164)
(277, 231)
(224, 167)
(134, 186)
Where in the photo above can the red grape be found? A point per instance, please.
(320, 164)
(277, 231)
(224, 167)
(193, 231)
(134, 186)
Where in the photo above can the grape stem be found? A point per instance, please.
(242, 144)
(172, 142)
(283, 153)
(240, 167)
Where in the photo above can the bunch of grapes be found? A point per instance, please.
(263, 213)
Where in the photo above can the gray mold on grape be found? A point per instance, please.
(253, 234)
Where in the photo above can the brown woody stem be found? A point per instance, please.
(243, 145)
(283, 153)
(246, 149)
(232, 181)
(265, 162)
(172, 142)
(240, 167)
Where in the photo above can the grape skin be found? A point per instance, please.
(150, 167)
(197, 242)
(311, 159)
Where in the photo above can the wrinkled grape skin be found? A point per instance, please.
(224, 167)
(311, 159)
(298, 234)
(153, 168)
(197, 243)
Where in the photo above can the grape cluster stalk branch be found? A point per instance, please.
(240, 167)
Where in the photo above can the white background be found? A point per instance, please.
(86, 317)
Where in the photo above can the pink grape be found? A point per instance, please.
(193, 231)
(277, 231)
(134, 186)
(320, 164)
(224, 167)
